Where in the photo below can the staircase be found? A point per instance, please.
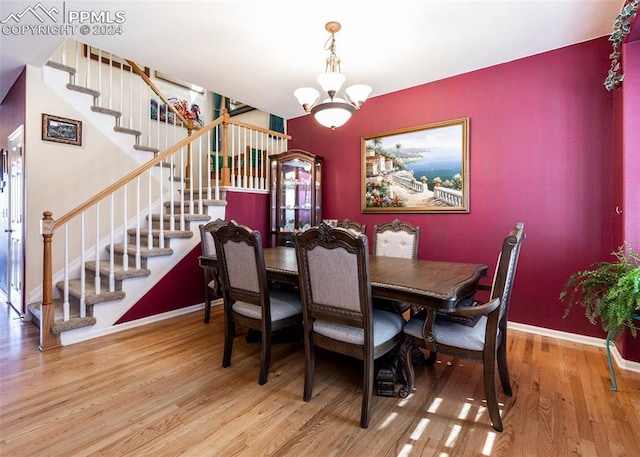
(93, 297)
(154, 211)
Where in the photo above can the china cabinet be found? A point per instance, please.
(296, 195)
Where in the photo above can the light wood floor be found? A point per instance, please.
(160, 391)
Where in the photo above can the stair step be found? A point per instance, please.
(107, 111)
(127, 130)
(83, 90)
(90, 296)
(203, 194)
(59, 66)
(168, 234)
(142, 147)
(155, 234)
(59, 325)
(144, 252)
(178, 206)
(119, 272)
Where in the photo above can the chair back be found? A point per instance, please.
(396, 239)
(353, 226)
(206, 236)
(241, 265)
(333, 269)
(506, 270)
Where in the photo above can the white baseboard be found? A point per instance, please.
(69, 337)
(623, 364)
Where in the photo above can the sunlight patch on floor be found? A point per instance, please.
(435, 404)
(388, 420)
(420, 428)
(464, 412)
(453, 436)
(405, 451)
(488, 444)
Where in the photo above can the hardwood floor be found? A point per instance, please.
(160, 390)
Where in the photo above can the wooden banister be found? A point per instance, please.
(48, 340)
(188, 123)
(134, 174)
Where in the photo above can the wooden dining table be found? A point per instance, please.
(423, 283)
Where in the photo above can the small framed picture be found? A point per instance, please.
(61, 130)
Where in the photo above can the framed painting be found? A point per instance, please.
(61, 130)
(422, 169)
(234, 107)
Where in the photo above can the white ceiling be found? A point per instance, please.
(259, 52)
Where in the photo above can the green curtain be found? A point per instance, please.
(217, 111)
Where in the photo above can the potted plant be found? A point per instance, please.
(609, 291)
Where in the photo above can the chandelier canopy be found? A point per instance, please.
(333, 111)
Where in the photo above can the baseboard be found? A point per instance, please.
(622, 363)
(69, 338)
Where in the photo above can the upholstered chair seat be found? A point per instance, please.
(451, 333)
(385, 326)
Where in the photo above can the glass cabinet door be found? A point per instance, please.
(295, 195)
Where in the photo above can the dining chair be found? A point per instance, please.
(333, 270)
(248, 301)
(355, 227)
(396, 239)
(211, 277)
(486, 341)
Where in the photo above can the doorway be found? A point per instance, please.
(15, 230)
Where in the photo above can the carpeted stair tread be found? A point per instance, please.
(167, 233)
(119, 272)
(107, 111)
(187, 217)
(59, 66)
(127, 130)
(83, 90)
(142, 147)
(144, 252)
(196, 203)
(59, 325)
(90, 297)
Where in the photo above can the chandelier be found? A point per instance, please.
(332, 112)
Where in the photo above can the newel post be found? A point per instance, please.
(47, 311)
(226, 172)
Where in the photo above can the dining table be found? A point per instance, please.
(423, 283)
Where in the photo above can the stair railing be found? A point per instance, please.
(222, 155)
(120, 88)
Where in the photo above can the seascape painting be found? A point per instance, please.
(418, 169)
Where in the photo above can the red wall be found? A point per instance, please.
(628, 99)
(541, 131)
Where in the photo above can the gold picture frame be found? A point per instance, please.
(61, 130)
(421, 169)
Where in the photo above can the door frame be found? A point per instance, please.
(16, 193)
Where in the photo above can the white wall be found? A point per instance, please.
(60, 176)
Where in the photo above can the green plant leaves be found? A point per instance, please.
(609, 291)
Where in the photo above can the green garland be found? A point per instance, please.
(621, 28)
